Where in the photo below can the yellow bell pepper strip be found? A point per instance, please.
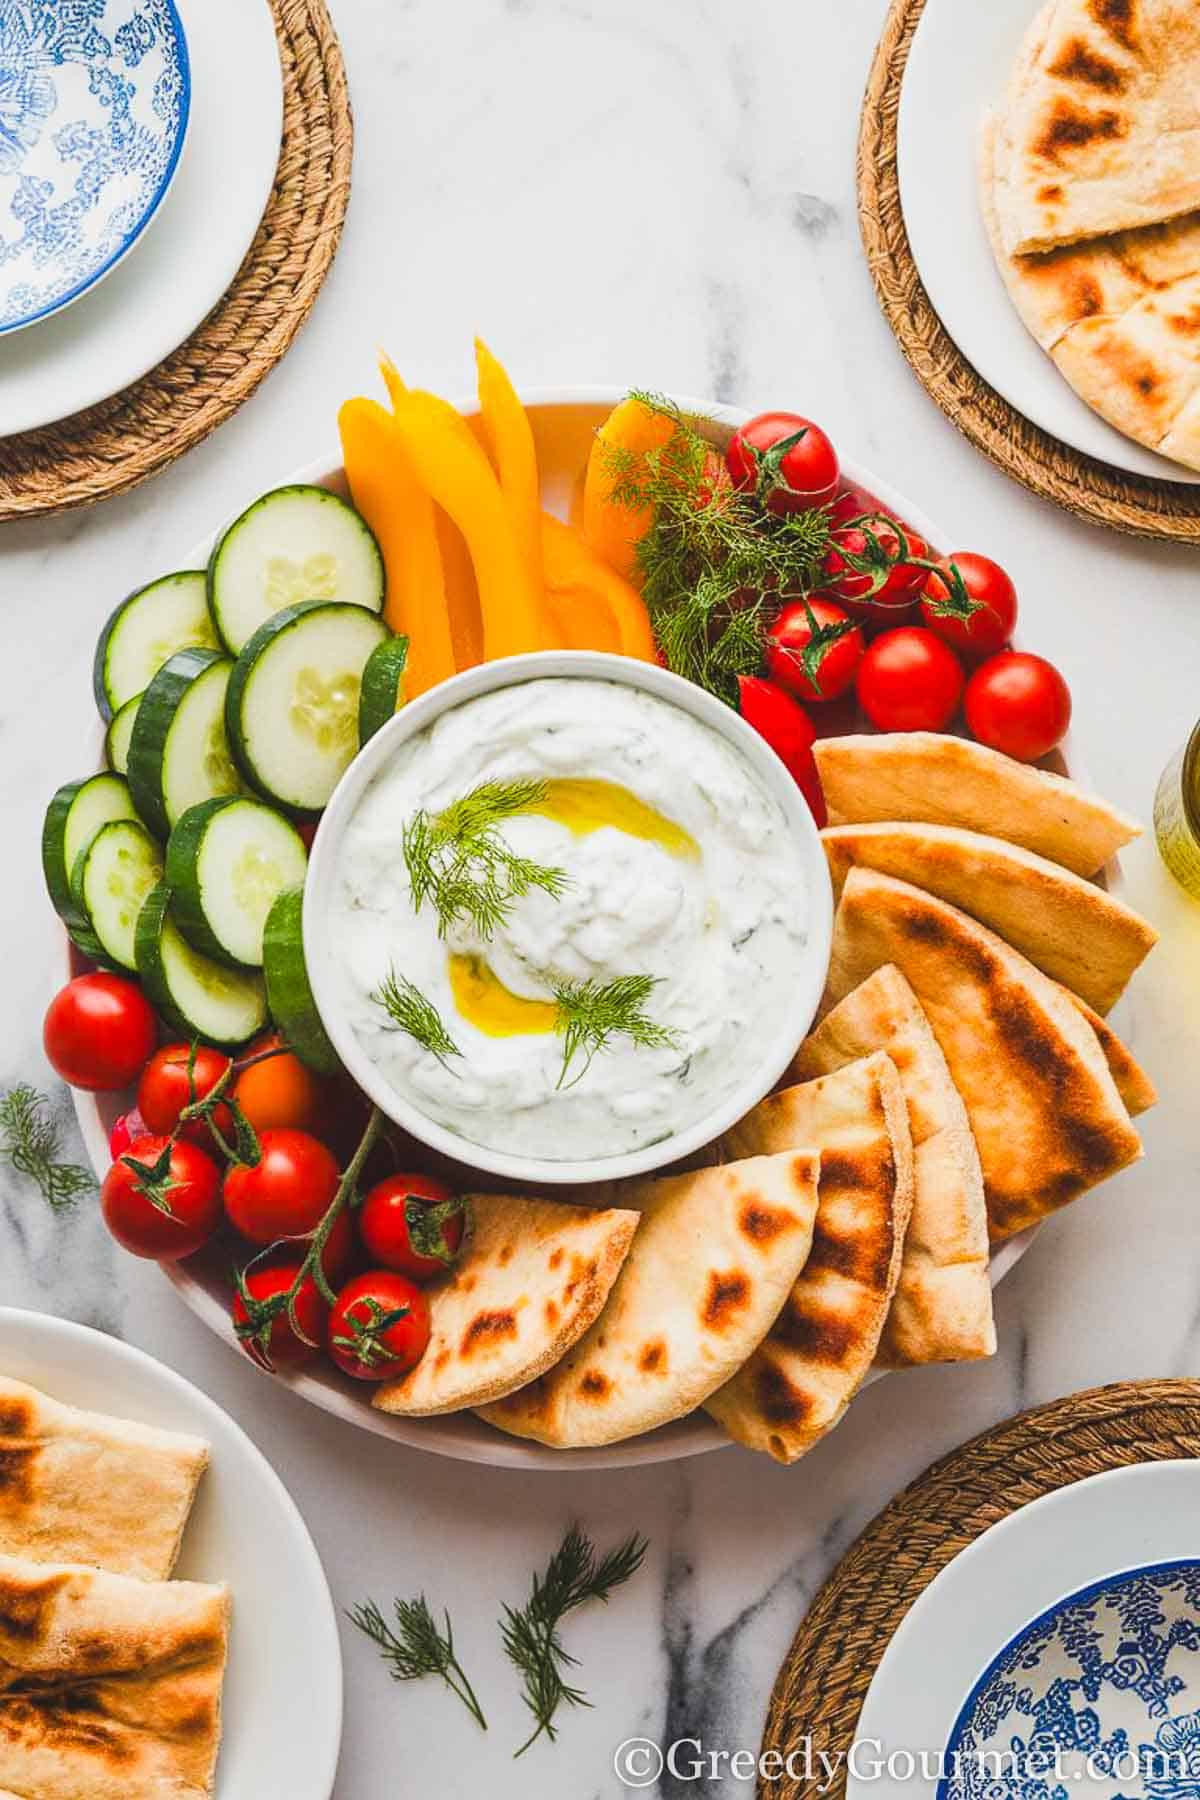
(509, 439)
(604, 611)
(456, 473)
(612, 529)
(391, 498)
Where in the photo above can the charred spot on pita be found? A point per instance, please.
(652, 1357)
(1079, 63)
(594, 1386)
(762, 1224)
(778, 1401)
(727, 1294)
(488, 1329)
(25, 1606)
(826, 1340)
(863, 1254)
(16, 1419)
(1070, 128)
(16, 1472)
(1117, 18)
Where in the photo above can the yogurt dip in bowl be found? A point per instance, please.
(670, 848)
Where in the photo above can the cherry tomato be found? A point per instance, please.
(414, 1225)
(909, 681)
(129, 1126)
(783, 722)
(275, 1345)
(1019, 704)
(887, 581)
(166, 1089)
(162, 1214)
(786, 460)
(99, 1031)
(307, 831)
(987, 630)
(286, 1193)
(379, 1327)
(791, 634)
(852, 502)
(282, 1092)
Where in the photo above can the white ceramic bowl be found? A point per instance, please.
(764, 1063)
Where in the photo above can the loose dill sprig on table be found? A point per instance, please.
(591, 1014)
(409, 1010)
(31, 1141)
(458, 858)
(417, 1647)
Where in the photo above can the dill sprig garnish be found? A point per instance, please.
(30, 1139)
(458, 858)
(573, 1576)
(409, 1010)
(591, 1014)
(417, 1648)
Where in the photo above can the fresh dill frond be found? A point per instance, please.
(458, 858)
(409, 1010)
(574, 1575)
(417, 1647)
(31, 1141)
(591, 1014)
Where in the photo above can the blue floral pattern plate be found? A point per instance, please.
(94, 104)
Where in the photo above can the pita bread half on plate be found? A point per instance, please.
(714, 1259)
(110, 1687)
(799, 1382)
(534, 1275)
(942, 1310)
(935, 779)
(81, 1487)
(1043, 1106)
(1073, 930)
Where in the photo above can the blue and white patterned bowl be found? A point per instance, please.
(94, 103)
(1098, 1698)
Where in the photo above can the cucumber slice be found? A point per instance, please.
(288, 994)
(178, 752)
(144, 631)
(226, 862)
(296, 544)
(382, 684)
(291, 712)
(116, 738)
(74, 816)
(111, 880)
(196, 996)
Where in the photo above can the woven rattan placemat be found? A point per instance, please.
(1092, 490)
(824, 1680)
(113, 446)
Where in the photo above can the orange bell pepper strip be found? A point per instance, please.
(393, 501)
(509, 440)
(595, 607)
(613, 529)
(455, 472)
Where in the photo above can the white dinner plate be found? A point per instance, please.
(1021, 1568)
(148, 306)
(282, 1707)
(958, 66)
(564, 424)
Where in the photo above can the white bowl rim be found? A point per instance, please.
(768, 1065)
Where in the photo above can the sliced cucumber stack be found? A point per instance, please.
(382, 686)
(116, 738)
(295, 544)
(111, 880)
(288, 993)
(178, 752)
(74, 816)
(291, 712)
(227, 861)
(144, 631)
(195, 995)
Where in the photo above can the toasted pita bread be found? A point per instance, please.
(935, 779)
(110, 1687)
(1074, 931)
(1135, 1087)
(1043, 1106)
(1100, 130)
(942, 1311)
(713, 1261)
(799, 1382)
(534, 1275)
(81, 1487)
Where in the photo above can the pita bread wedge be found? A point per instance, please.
(1043, 1106)
(798, 1384)
(942, 1310)
(934, 779)
(110, 1687)
(1133, 1084)
(714, 1259)
(81, 1487)
(534, 1275)
(1100, 129)
(1073, 930)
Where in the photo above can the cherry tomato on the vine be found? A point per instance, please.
(286, 1193)
(414, 1225)
(1018, 704)
(987, 630)
(99, 1031)
(281, 1092)
(838, 642)
(909, 680)
(379, 1328)
(785, 725)
(874, 580)
(272, 1343)
(162, 1200)
(167, 1087)
(786, 460)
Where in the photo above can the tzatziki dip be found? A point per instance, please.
(663, 856)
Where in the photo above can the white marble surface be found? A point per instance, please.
(659, 192)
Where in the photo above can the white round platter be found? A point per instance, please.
(958, 66)
(146, 308)
(564, 423)
(245, 1531)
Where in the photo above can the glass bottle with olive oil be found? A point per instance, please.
(1177, 815)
